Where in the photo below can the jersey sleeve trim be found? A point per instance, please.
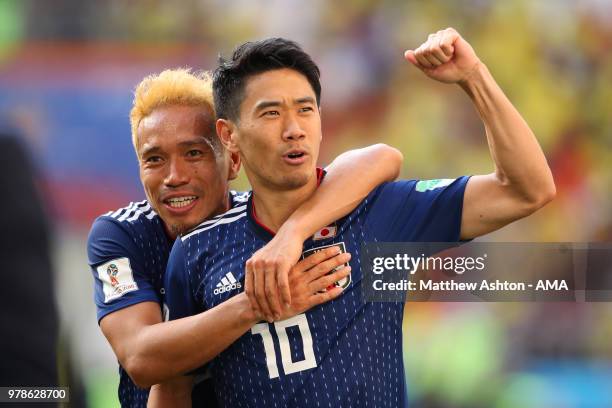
(146, 297)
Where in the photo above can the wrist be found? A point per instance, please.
(245, 311)
(294, 228)
(474, 77)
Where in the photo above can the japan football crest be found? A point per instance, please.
(342, 283)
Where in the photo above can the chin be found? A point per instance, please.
(180, 225)
(178, 228)
(295, 181)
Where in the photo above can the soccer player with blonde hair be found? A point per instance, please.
(185, 172)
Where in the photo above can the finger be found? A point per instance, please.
(409, 55)
(431, 57)
(323, 297)
(248, 288)
(428, 50)
(271, 290)
(282, 278)
(447, 41)
(327, 266)
(326, 281)
(423, 62)
(315, 259)
(436, 51)
(260, 290)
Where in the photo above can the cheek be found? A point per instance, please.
(259, 136)
(207, 174)
(149, 181)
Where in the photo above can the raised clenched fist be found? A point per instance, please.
(445, 57)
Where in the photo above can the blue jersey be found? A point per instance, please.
(128, 252)
(343, 353)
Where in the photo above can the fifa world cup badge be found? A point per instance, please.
(112, 271)
(117, 278)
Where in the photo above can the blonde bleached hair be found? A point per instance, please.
(177, 86)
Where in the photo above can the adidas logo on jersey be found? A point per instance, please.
(228, 282)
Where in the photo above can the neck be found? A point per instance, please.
(274, 206)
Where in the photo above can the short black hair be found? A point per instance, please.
(251, 58)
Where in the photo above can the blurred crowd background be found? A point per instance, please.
(68, 69)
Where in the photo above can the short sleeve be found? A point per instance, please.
(418, 210)
(179, 301)
(117, 267)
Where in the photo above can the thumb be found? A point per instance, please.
(409, 55)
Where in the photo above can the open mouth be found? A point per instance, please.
(180, 202)
(296, 155)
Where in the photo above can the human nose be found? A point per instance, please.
(177, 175)
(292, 129)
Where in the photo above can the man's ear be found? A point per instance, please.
(320, 121)
(226, 130)
(234, 165)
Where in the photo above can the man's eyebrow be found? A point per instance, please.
(202, 141)
(150, 150)
(266, 104)
(273, 103)
(199, 141)
(306, 99)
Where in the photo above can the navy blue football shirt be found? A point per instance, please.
(128, 252)
(343, 353)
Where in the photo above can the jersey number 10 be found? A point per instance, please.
(289, 366)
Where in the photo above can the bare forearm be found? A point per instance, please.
(519, 160)
(522, 182)
(175, 393)
(355, 174)
(166, 350)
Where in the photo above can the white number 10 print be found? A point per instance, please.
(289, 366)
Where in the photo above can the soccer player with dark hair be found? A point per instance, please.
(346, 352)
(185, 171)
